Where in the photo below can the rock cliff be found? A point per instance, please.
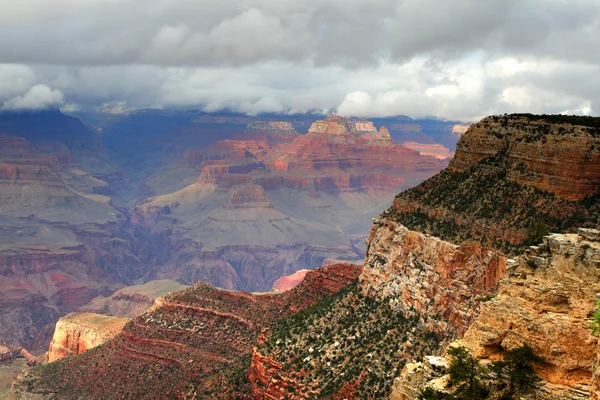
(545, 300)
(415, 292)
(511, 175)
(423, 275)
(79, 332)
(550, 154)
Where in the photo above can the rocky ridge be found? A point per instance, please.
(414, 293)
(198, 342)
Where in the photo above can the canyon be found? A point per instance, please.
(465, 257)
(231, 200)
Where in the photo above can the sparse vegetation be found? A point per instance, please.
(470, 380)
(348, 340)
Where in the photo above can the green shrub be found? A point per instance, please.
(536, 233)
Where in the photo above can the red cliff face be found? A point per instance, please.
(556, 157)
(337, 154)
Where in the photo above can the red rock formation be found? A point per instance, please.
(546, 307)
(560, 158)
(269, 383)
(290, 281)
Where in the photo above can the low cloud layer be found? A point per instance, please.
(38, 97)
(458, 59)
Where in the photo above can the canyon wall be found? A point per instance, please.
(557, 157)
(511, 176)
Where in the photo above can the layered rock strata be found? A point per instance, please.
(415, 293)
(194, 343)
(511, 176)
(551, 155)
(78, 332)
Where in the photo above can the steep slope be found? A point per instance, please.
(194, 343)
(78, 332)
(415, 292)
(510, 175)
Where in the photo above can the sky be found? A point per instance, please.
(452, 59)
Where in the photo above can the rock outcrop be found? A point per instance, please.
(289, 281)
(423, 275)
(78, 332)
(415, 292)
(550, 154)
(545, 300)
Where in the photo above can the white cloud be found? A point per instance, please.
(38, 97)
(458, 59)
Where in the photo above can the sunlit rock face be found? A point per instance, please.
(79, 332)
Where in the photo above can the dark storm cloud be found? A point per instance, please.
(452, 58)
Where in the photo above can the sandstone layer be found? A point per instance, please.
(423, 275)
(552, 155)
(78, 332)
